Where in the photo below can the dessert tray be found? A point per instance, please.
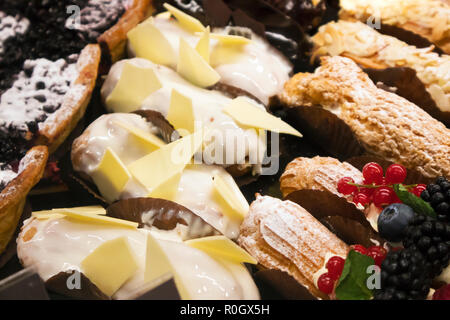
(222, 149)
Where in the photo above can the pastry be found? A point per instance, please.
(15, 183)
(341, 95)
(191, 185)
(282, 235)
(427, 18)
(371, 49)
(61, 241)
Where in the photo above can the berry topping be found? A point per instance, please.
(359, 248)
(344, 187)
(438, 195)
(361, 198)
(417, 190)
(326, 283)
(404, 275)
(393, 221)
(373, 173)
(383, 196)
(395, 173)
(442, 293)
(377, 253)
(335, 266)
(432, 239)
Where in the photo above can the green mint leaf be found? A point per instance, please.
(352, 284)
(417, 204)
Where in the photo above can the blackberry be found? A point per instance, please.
(404, 276)
(432, 239)
(12, 146)
(438, 195)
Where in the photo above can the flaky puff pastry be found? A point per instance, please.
(427, 18)
(371, 49)
(318, 173)
(385, 124)
(282, 235)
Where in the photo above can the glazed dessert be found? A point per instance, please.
(282, 235)
(128, 144)
(340, 94)
(61, 241)
(15, 183)
(427, 18)
(221, 85)
(371, 49)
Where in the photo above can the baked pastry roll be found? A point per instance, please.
(371, 49)
(427, 18)
(14, 187)
(339, 104)
(282, 235)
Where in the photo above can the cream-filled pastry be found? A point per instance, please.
(254, 66)
(60, 244)
(230, 142)
(194, 188)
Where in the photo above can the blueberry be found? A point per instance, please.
(394, 220)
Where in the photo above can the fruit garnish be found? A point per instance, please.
(345, 188)
(383, 196)
(417, 190)
(437, 194)
(377, 253)
(373, 173)
(335, 265)
(393, 221)
(359, 248)
(442, 293)
(395, 173)
(417, 204)
(325, 283)
(361, 198)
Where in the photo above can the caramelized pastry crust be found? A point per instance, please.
(385, 124)
(428, 18)
(282, 235)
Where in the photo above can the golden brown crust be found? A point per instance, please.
(58, 126)
(115, 38)
(385, 124)
(12, 198)
(282, 235)
(427, 18)
(318, 173)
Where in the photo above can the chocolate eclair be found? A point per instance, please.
(349, 115)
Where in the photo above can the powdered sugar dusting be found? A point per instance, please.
(39, 91)
(6, 175)
(11, 26)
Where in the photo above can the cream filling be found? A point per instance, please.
(445, 275)
(257, 67)
(61, 245)
(195, 190)
(228, 143)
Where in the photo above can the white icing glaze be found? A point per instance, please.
(60, 245)
(230, 144)
(195, 190)
(256, 67)
(11, 26)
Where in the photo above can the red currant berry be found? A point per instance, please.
(361, 198)
(395, 173)
(345, 188)
(367, 191)
(325, 283)
(359, 248)
(373, 173)
(383, 196)
(442, 293)
(417, 190)
(377, 253)
(335, 266)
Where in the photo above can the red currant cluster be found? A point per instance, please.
(377, 187)
(328, 280)
(442, 293)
